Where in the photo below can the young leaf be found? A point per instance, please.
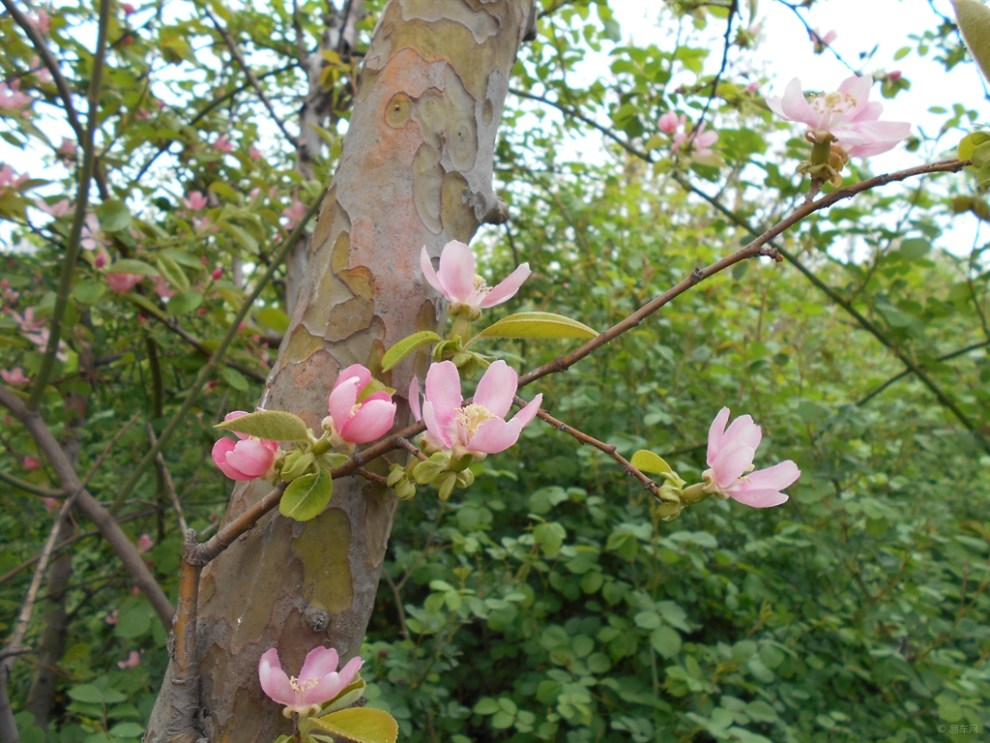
(406, 346)
(130, 265)
(114, 216)
(647, 461)
(274, 425)
(307, 496)
(974, 23)
(537, 325)
(360, 725)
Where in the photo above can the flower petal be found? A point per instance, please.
(443, 389)
(413, 397)
(251, 457)
(372, 420)
(220, 450)
(436, 428)
(526, 415)
(426, 266)
(456, 272)
(354, 370)
(342, 399)
(495, 435)
(506, 289)
(274, 681)
(731, 464)
(759, 498)
(497, 388)
(716, 432)
(319, 662)
(777, 477)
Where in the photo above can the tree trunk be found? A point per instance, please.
(416, 169)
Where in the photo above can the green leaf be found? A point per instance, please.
(231, 376)
(274, 318)
(537, 325)
(307, 496)
(184, 303)
(224, 190)
(974, 23)
(130, 265)
(406, 346)
(665, 641)
(647, 461)
(175, 276)
(114, 216)
(241, 235)
(88, 292)
(274, 425)
(970, 142)
(360, 725)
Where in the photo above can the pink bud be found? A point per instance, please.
(668, 123)
(127, 8)
(144, 543)
(31, 463)
(101, 258)
(894, 75)
(111, 617)
(217, 273)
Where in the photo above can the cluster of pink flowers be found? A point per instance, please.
(699, 142)
(461, 286)
(478, 428)
(318, 681)
(730, 464)
(845, 117)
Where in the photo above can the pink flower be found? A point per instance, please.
(669, 122)
(12, 99)
(699, 142)
(41, 22)
(730, 464)
(457, 281)
(821, 41)
(479, 428)
(111, 618)
(845, 115)
(318, 680)
(223, 144)
(122, 282)
(127, 8)
(9, 177)
(30, 463)
(217, 273)
(13, 376)
(359, 422)
(195, 201)
(144, 543)
(293, 214)
(133, 660)
(52, 505)
(245, 459)
(92, 237)
(58, 209)
(162, 288)
(254, 153)
(67, 149)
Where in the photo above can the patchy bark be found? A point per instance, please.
(416, 169)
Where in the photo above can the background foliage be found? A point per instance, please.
(548, 601)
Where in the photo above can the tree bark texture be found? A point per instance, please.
(415, 170)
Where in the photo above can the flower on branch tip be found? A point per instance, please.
(354, 421)
(459, 284)
(730, 464)
(318, 681)
(246, 459)
(478, 428)
(845, 117)
(12, 99)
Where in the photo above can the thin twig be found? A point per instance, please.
(167, 482)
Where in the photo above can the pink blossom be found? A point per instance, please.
(12, 99)
(9, 178)
(30, 463)
(317, 683)
(478, 428)
(217, 273)
(669, 122)
(846, 116)
(246, 459)
(58, 209)
(359, 422)
(223, 144)
(820, 41)
(51, 504)
(293, 214)
(92, 236)
(699, 142)
(14, 376)
(894, 75)
(127, 8)
(41, 73)
(730, 464)
(195, 201)
(133, 660)
(145, 543)
(41, 21)
(101, 259)
(162, 287)
(120, 282)
(457, 281)
(111, 618)
(254, 153)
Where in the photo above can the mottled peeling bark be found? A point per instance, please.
(416, 169)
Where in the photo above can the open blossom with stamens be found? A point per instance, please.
(318, 681)
(457, 281)
(195, 201)
(730, 464)
(478, 428)
(246, 459)
(358, 422)
(846, 117)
